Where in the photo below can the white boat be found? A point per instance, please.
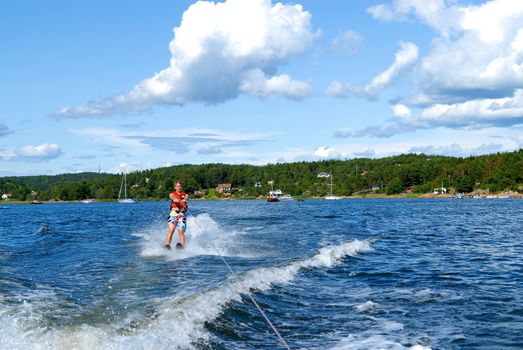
(123, 186)
(331, 196)
(87, 201)
(286, 197)
(274, 196)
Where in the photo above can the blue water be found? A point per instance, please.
(347, 274)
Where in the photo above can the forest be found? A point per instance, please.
(416, 173)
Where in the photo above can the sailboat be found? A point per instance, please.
(330, 196)
(124, 186)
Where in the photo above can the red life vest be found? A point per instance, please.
(179, 206)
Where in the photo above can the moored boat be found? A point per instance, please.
(274, 196)
(123, 186)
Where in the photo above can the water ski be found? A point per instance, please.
(179, 246)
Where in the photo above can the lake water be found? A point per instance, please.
(347, 274)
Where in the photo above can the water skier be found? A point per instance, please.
(177, 216)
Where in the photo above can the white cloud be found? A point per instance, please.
(504, 111)
(405, 57)
(473, 114)
(434, 13)
(472, 75)
(41, 152)
(327, 152)
(401, 111)
(482, 59)
(255, 82)
(215, 49)
(337, 89)
(347, 43)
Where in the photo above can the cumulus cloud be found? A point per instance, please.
(504, 111)
(348, 42)
(219, 50)
(471, 76)
(126, 167)
(401, 111)
(338, 89)
(435, 13)
(405, 57)
(473, 114)
(256, 83)
(327, 152)
(41, 152)
(483, 58)
(407, 54)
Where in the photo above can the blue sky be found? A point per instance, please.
(137, 85)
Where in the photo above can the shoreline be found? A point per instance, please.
(503, 195)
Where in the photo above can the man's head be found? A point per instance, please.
(178, 186)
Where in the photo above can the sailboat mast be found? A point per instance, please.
(331, 183)
(125, 180)
(120, 193)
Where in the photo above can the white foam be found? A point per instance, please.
(204, 236)
(374, 341)
(369, 305)
(179, 321)
(384, 334)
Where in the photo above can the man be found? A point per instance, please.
(177, 216)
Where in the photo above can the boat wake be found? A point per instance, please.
(179, 321)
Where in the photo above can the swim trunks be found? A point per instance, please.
(178, 219)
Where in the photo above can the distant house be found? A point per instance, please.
(440, 190)
(135, 186)
(410, 189)
(257, 184)
(200, 192)
(34, 193)
(224, 188)
(6, 196)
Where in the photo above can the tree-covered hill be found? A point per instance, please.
(417, 172)
(21, 186)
